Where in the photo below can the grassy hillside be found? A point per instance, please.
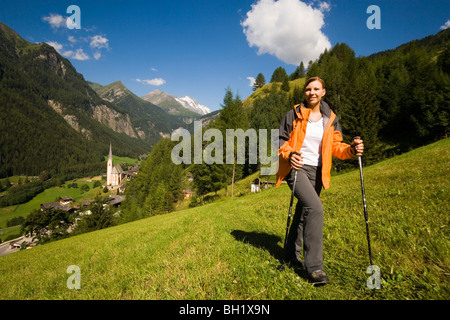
(230, 249)
(272, 87)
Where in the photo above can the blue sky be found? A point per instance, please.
(199, 48)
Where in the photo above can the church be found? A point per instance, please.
(114, 174)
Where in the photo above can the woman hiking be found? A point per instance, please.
(310, 135)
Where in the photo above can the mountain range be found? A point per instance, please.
(151, 122)
(53, 120)
(175, 105)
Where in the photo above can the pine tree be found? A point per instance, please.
(285, 86)
(362, 108)
(298, 73)
(279, 75)
(209, 178)
(260, 81)
(268, 112)
(297, 96)
(313, 69)
(157, 186)
(232, 116)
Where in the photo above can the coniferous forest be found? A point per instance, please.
(395, 100)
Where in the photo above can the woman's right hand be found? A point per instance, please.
(296, 160)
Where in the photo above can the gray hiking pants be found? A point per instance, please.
(306, 231)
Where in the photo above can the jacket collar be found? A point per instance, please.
(325, 109)
(302, 112)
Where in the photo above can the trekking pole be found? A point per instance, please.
(281, 267)
(290, 211)
(366, 216)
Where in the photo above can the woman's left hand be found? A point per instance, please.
(358, 145)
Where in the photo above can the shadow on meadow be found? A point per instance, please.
(267, 242)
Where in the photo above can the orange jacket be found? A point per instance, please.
(292, 134)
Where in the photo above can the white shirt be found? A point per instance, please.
(312, 145)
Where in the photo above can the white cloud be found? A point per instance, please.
(446, 25)
(324, 6)
(154, 69)
(252, 81)
(58, 47)
(287, 29)
(67, 54)
(80, 55)
(77, 55)
(96, 42)
(99, 42)
(153, 82)
(55, 20)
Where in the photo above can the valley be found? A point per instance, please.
(79, 190)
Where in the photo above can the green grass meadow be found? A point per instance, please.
(230, 249)
(119, 160)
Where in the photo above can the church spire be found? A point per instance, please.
(109, 167)
(110, 151)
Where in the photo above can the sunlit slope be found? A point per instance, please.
(230, 249)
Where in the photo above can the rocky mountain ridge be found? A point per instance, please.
(176, 105)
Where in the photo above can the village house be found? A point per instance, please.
(116, 200)
(268, 184)
(64, 203)
(86, 204)
(133, 170)
(187, 193)
(255, 186)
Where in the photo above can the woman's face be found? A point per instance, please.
(314, 93)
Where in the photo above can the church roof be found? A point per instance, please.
(117, 169)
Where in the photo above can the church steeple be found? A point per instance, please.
(109, 167)
(110, 152)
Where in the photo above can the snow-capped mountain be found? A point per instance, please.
(193, 105)
(175, 105)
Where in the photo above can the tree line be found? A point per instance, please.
(156, 188)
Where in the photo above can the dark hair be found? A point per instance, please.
(312, 79)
